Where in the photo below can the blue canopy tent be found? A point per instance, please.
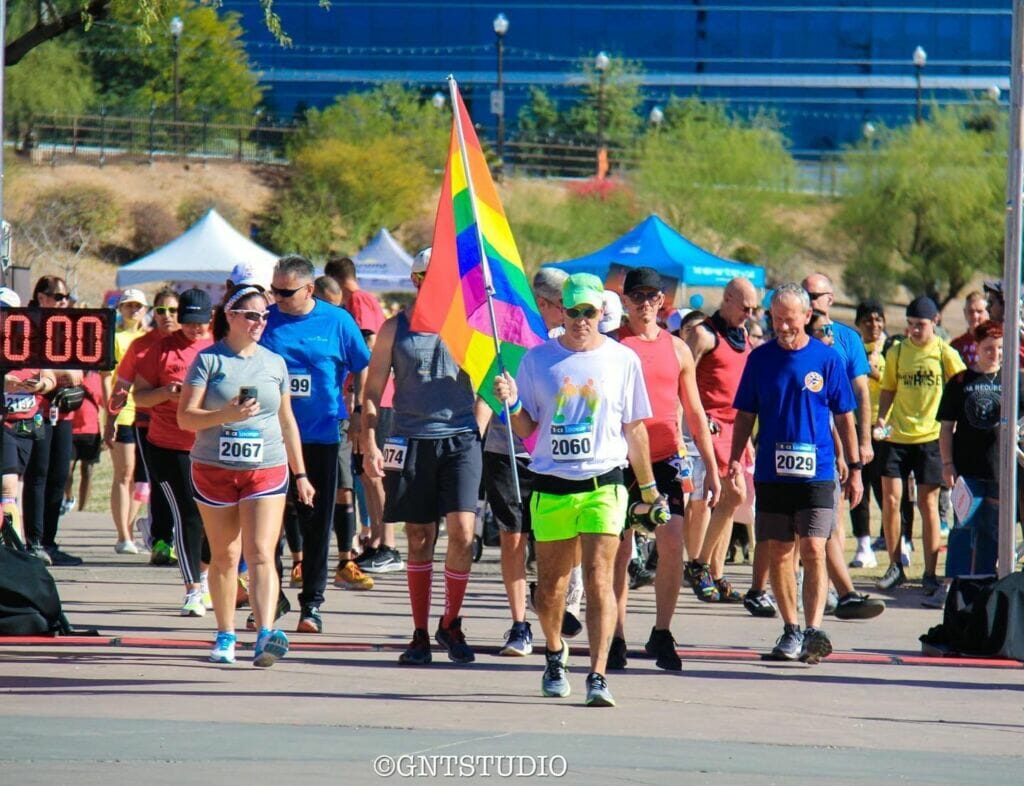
(653, 243)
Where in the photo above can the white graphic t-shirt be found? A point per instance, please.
(580, 401)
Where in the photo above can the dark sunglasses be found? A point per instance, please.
(823, 331)
(286, 292)
(254, 316)
(58, 296)
(164, 311)
(587, 313)
(640, 296)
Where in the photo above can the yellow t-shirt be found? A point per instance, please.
(122, 340)
(918, 376)
(875, 385)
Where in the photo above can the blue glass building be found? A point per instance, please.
(824, 68)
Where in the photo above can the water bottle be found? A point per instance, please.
(881, 433)
(141, 492)
(645, 517)
(685, 474)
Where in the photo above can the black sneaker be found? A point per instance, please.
(759, 603)
(310, 620)
(854, 606)
(61, 558)
(639, 575)
(571, 625)
(418, 652)
(893, 577)
(662, 647)
(364, 559)
(454, 640)
(617, 654)
(816, 645)
(384, 560)
(929, 582)
(39, 553)
(283, 607)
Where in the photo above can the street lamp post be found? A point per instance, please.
(601, 63)
(920, 58)
(656, 117)
(177, 28)
(498, 99)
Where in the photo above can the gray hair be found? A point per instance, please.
(548, 283)
(296, 265)
(794, 291)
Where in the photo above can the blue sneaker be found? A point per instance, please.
(271, 646)
(454, 640)
(554, 681)
(789, 645)
(598, 694)
(519, 640)
(223, 648)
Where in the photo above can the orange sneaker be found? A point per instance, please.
(349, 576)
(296, 578)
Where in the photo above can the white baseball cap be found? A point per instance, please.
(9, 298)
(245, 274)
(421, 260)
(133, 296)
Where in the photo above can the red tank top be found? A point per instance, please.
(718, 376)
(661, 371)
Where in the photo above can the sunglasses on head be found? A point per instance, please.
(164, 311)
(58, 296)
(640, 296)
(816, 295)
(588, 312)
(278, 292)
(251, 315)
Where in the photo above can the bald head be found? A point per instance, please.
(739, 301)
(820, 290)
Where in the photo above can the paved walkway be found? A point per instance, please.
(140, 703)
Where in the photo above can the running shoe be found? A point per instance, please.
(271, 646)
(930, 584)
(598, 694)
(310, 620)
(384, 560)
(617, 654)
(205, 587)
(937, 600)
(789, 644)
(759, 603)
(831, 601)
(223, 648)
(193, 605)
(864, 559)
(701, 582)
(160, 553)
(554, 681)
(854, 606)
(418, 651)
(518, 640)
(893, 577)
(571, 625)
(906, 549)
(283, 607)
(295, 579)
(454, 641)
(349, 576)
(816, 645)
(726, 593)
(125, 547)
(366, 556)
(67, 506)
(639, 575)
(878, 544)
(662, 647)
(39, 553)
(62, 559)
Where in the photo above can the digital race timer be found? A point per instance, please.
(57, 338)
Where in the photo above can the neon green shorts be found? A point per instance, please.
(601, 511)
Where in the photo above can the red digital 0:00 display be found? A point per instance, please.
(57, 338)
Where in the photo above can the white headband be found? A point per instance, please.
(241, 293)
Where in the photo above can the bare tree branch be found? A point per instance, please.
(48, 30)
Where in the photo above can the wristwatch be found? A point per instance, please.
(856, 465)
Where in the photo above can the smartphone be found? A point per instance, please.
(246, 394)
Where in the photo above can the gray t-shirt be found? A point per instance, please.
(254, 443)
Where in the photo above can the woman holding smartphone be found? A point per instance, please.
(236, 400)
(159, 374)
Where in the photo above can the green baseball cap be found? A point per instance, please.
(583, 288)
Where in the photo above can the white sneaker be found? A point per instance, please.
(906, 549)
(126, 547)
(193, 605)
(864, 559)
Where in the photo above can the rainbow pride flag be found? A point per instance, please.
(453, 299)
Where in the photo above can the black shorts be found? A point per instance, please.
(86, 447)
(16, 451)
(500, 491)
(923, 459)
(125, 435)
(783, 510)
(665, 475)
(440, 476)
(345, 477)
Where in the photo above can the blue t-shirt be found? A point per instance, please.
(793, 394)
(320, 349)
(850, 347)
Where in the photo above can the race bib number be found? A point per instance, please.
(19, 402)
(572, 443)
(795, 460)
(244, 446)
(300, 385)
(395, 450)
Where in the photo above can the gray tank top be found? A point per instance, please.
(433, 396)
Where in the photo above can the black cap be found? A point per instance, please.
(642, 278)
(194, 307)
(868, 308)
(922, 308)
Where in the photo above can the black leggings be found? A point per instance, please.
(170, 470)
(860, 516)
(317, 522)
(161, 523)
(45, 476)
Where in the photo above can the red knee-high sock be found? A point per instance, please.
(419, 576)
(454, 591)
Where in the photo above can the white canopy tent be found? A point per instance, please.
(384, 266)
(205, 254)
